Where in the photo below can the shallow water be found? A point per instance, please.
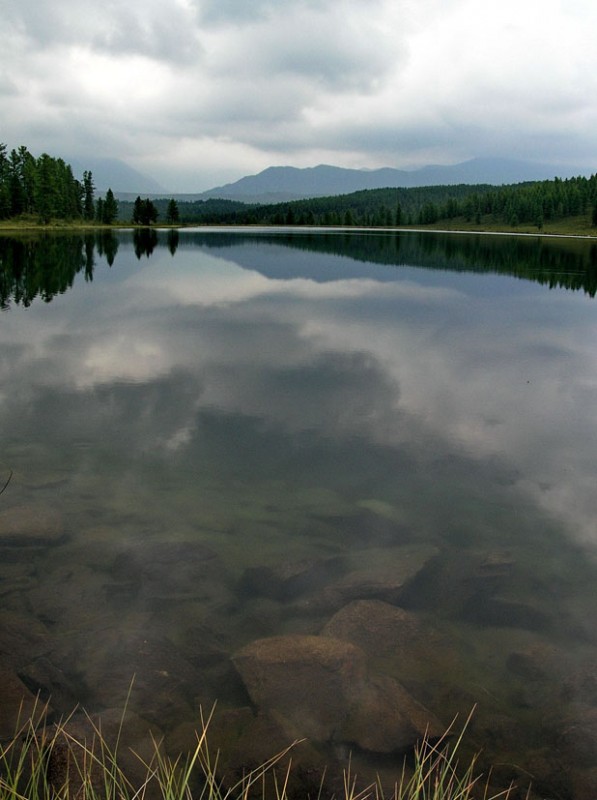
(217, 437)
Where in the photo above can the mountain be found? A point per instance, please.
(278, 184)
(111, 173)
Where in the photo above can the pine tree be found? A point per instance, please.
(144, 212)
(110, 211)
(137, 207)
(88, 189)
(172, 213)
(4, 183)
(45, 195)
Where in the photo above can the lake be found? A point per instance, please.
(342, 483)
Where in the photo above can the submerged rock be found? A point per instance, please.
(69, 595)
(578, 736)
(171, 571)
(373, 574)
(124, 735)
(322, 687)
(146, 671)
(311, 679)
(410, 647)
(290, 579)
(17, 704)
(31, 526)
(51, 684)
(388, 719)
(22, 638)
(383, 574)
(584, 783)
(496, 612)
(380, 628)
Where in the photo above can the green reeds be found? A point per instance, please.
(48, 762)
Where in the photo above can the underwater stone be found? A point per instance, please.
(31, 526)
(17, 703)
(290, 579)
(322, 686)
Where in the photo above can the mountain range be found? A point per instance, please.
(281, 184)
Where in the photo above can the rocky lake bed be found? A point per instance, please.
(337, 650)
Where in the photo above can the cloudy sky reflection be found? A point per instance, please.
(430, 369)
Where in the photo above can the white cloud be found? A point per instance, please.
(235, 87)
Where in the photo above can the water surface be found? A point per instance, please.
(226, 436)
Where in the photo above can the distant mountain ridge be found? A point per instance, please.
(111, 173)
(279, 184)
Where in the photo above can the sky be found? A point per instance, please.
(197, 93)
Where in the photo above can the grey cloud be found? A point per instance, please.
(8, 87)
(321, 47)
(333, 393)
(344, 63)
(161, 32)
(234, 86)
(235, 12)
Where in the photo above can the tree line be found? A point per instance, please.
(45, 188)
(512, 205)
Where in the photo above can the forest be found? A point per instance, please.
(44, 189)
(507, 206)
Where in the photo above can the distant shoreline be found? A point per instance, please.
(365, 229)
(8, 227)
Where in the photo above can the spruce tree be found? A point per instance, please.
(172, 213)
(88, 189)
(110, 208)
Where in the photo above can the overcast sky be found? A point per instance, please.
(196, 93)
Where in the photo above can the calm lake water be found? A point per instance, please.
(223, 437)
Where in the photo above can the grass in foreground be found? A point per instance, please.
(46, 762)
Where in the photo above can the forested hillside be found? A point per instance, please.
(508, 206)
(45, 189)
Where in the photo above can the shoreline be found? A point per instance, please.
(8, 228)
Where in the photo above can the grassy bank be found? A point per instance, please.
(49, 762)
(571, 226)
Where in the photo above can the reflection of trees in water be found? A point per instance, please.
(46, 265)
(107, 246)
(145, 241)
(173, 239)
(556, 262)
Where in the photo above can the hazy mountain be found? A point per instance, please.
(111, 173)
(277, 184)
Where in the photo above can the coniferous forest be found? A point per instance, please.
(45, 189)
(532, 204)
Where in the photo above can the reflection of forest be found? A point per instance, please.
(46, 265)
(556, 262)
